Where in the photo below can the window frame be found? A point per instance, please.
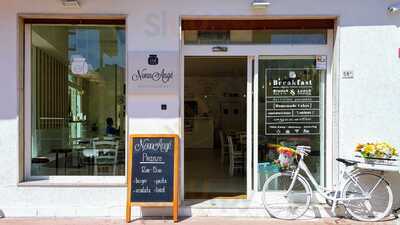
(27, 107)
(322, 109)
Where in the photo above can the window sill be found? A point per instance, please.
(48, 183)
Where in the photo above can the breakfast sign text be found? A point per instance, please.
(292, 102)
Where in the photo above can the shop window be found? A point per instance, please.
(77, 97)
(292, 37)
(291, 113)
(213, 37)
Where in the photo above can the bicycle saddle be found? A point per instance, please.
(346, 162)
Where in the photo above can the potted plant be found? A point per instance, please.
(377, 153)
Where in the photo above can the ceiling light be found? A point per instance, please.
(257, 4)
(70, 3)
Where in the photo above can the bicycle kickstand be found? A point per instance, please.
(333, 207)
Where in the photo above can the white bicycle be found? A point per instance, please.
(366, 195)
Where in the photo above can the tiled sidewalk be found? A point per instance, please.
(191, 221)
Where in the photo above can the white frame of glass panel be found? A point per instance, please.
(253, 52)
(322, 107)
(56, 180)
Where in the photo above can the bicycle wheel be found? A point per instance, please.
(280, 203)
(380, 200)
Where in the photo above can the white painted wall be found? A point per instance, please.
(368, 107)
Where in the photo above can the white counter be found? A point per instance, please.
(199, 132)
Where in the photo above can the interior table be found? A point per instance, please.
(65, 151)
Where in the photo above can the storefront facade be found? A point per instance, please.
(332, 66)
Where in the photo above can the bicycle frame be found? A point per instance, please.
(356, 190)
(323, 191)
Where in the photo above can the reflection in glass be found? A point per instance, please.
(291, 113)
(77, 98)
(291, 37)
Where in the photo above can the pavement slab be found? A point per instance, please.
(187, 221)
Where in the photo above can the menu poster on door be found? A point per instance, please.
(292, 102)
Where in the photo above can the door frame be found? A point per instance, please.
(249, 108)
(252, 52)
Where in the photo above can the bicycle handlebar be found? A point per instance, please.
(303, 149)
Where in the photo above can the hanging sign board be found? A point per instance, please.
(153, 172)
(153, 72)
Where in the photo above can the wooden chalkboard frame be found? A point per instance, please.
(175, 203)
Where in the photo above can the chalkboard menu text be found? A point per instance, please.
(153, 171)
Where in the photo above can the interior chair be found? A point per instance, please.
(236, 157)
(110, 138)
(242, 142)
(38, 163)
(105, 155)
(238, 133)
(77, 145)
(224, 146)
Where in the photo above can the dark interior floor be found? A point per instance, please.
(207, 177)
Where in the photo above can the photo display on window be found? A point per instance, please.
(292, 102)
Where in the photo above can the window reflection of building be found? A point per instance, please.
(72, 108)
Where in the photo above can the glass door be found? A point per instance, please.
(289, 111)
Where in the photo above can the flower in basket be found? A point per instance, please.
(380, 150)
(286, 151)
(285, 158)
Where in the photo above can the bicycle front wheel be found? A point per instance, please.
(368, 197)
(282, 203)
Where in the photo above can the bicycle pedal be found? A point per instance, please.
(332, 193)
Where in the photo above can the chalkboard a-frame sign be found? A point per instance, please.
(153, 172)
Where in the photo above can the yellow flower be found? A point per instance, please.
(379, 154)
(379, 150)
(394, 152)
(359, 147)
(370, 149)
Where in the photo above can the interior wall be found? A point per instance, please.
(103, 98)
(54, 41)
(218, 86)
(50, 98)
(211, 92)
